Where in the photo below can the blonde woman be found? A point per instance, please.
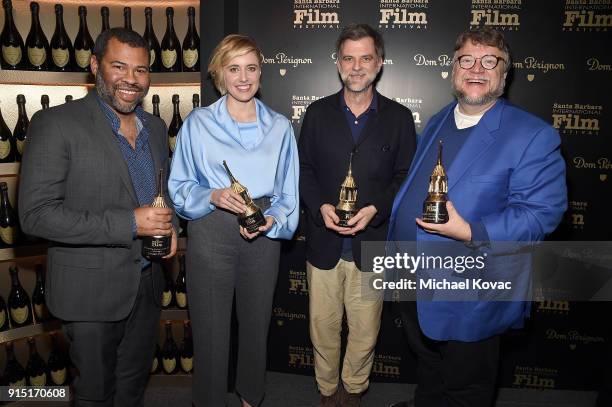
(223, 258)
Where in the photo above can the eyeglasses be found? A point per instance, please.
(486, 61)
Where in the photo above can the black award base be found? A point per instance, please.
(252, 222)
(435, 212)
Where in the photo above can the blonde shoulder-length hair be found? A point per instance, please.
(231, 46)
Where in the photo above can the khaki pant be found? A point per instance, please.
(330, 293)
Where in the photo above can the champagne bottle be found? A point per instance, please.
(36, 371)
(168, 295)
(4, 319)
(68, 98)
(156, 105)
(41, 312)
(175, 124)
(169, 352)
(156, 247)
(11, 41)
(44, 101)
(191, 45)
(21, 128)
(105, 15)
(170, 47)
(156, 364)
(127, 18)
(83, 44)
(186, 352)
(180, 288)
(61, 47)
(14, 374)
(56, 364)
(36, 43)
(9, 223)
(18, 302)
(151, 39)
(7, 142)
(195, 100)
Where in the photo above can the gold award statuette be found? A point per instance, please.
(156, 247)
(434, 207)
(252, 218)
(346, 207)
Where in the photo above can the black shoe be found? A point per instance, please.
(409, 403)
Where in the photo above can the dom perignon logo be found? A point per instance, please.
(499, 14)
(587, 15)
(316, 14)
(404, 14)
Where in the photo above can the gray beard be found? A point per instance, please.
(109, 97)
(482, 100)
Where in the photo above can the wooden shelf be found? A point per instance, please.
(7, 169)
(171, 380)
(30, 330)
(87, 79)
(22, 252)
(174, 315)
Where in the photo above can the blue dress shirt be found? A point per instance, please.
(265, 161)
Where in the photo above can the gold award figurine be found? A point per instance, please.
(252, 218)
(346, 207)
(434, 207)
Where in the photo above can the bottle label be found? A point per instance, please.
(166, 298)
(181, 300)
(7, 235)
(18, 383)
(37, 55)
(187, 364)
(2, 318)
(151, 57)
(58, 376)
(20, 145)
(60, 57)
(5, 149)
(39, 311)
(172, 143)
(154, 365)
(168, 57)
(190, 57)
(12, 55)
(20, 314)
(169, 364)
(39, 380)
(82, 57)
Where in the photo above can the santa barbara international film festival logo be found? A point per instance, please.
(284, 61)
(415, 104)
(300, 357)
(299, 104)
(297, 282)
(499, 14)
(405, 14)
(547, 306)
(314, 14)
(387, 366)
(587, 15)
(576, 118)
(576, 214)
(534, 377)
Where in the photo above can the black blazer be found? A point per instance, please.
(75, 190)
(381, 160)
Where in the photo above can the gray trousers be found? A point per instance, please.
(220, 263)
(114, 358)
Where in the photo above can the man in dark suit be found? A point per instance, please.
(87, 178)
(380, 135)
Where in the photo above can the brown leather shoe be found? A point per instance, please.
(329, 401)
(349, 399)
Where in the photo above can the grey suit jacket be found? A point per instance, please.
(75, 191)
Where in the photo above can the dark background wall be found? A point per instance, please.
(562, 73)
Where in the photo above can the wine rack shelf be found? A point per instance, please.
(9, 169)
(87, 79)
(22, 252)
(174, 315)
(30, 330)
(175, 380)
